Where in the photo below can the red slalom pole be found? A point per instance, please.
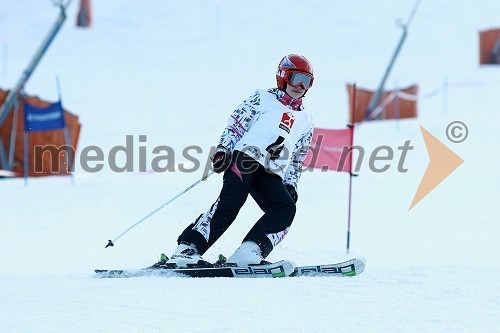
(351, 126)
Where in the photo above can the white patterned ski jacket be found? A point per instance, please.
(272, 128)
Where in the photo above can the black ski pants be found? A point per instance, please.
(245, 176)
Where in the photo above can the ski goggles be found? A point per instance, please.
(296, 79)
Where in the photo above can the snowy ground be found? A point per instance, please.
(174, 71)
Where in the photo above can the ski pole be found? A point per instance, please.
(111, 242)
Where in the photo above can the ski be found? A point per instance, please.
(281, 268)
(351, 267)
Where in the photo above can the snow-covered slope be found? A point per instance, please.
(173, 71)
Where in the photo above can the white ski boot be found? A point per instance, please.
(184, 255)
(247, 254)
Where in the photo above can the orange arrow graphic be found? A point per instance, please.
(442, 163)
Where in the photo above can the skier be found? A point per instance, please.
(261, 152)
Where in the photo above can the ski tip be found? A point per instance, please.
(359, 265)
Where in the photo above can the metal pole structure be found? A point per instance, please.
(6, 107)
(375, 99)
(13, 135)
(26, 157)
(4, 164)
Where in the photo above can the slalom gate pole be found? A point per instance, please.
(350, 173)
(111, 242)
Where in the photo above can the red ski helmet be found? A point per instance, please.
(294, 70)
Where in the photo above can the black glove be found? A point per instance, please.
(293, 192)
(221, 160)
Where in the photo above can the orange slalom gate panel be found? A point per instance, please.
(393, 104)
(489, 47)
(84, 16)
(39, 165)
